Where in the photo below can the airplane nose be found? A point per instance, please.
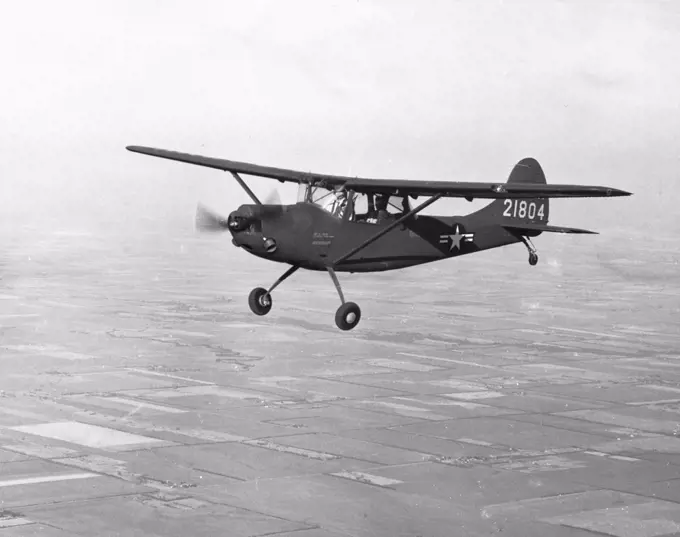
(237, 222)
(245, 225)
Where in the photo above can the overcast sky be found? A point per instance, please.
(439, 89)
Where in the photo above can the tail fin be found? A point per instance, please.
(519, 211)
(527, 170)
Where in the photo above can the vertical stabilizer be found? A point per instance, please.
(513, 211)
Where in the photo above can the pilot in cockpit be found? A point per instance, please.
(337, 203)
(381, 212)
(377, 209)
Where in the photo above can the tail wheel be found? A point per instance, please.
(533, 259)
(347, 316)
(260, 301)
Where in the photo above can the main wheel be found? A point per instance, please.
(260, 301)
(533, 259)
(347, 316)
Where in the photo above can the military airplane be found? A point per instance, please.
(353, 224)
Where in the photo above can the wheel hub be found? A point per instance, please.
(351, 317)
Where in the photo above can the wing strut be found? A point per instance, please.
(245, 187)
(394, 224)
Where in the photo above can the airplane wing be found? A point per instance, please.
(280, 174)
(414, 188)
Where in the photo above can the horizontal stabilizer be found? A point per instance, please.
(519, 228)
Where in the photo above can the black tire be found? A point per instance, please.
(260, 301)
(347, 316)
(533, 259)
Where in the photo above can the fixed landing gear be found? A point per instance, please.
(260, 299)
(349, 313)
(346, 317)
(533, 255)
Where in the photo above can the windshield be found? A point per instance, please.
(330, 200)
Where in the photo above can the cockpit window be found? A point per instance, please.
(377, 208)
(320, 196)
(370, 208)
(334, 201)
(303, 191)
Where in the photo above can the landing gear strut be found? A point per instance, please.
(533, 255)
(346, 317)
(260, 299)
(348, 314)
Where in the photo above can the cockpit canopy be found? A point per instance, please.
(370, 208)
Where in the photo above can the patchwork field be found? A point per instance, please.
(139, 395)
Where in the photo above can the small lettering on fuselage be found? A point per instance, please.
(321, 238)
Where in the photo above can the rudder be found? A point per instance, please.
(509, 211)
(527, 170)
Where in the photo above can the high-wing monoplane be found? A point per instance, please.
(352, 224)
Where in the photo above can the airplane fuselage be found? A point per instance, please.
(306, 235)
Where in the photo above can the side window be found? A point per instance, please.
(396, 204)
(370, 208)
(360, 204)
(362, 208)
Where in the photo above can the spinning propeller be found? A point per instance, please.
(272, 198)
(210, 222)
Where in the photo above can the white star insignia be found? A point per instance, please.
(456, 238)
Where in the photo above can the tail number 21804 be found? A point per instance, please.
(524, 209)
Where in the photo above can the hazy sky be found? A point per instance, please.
(439, 89)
